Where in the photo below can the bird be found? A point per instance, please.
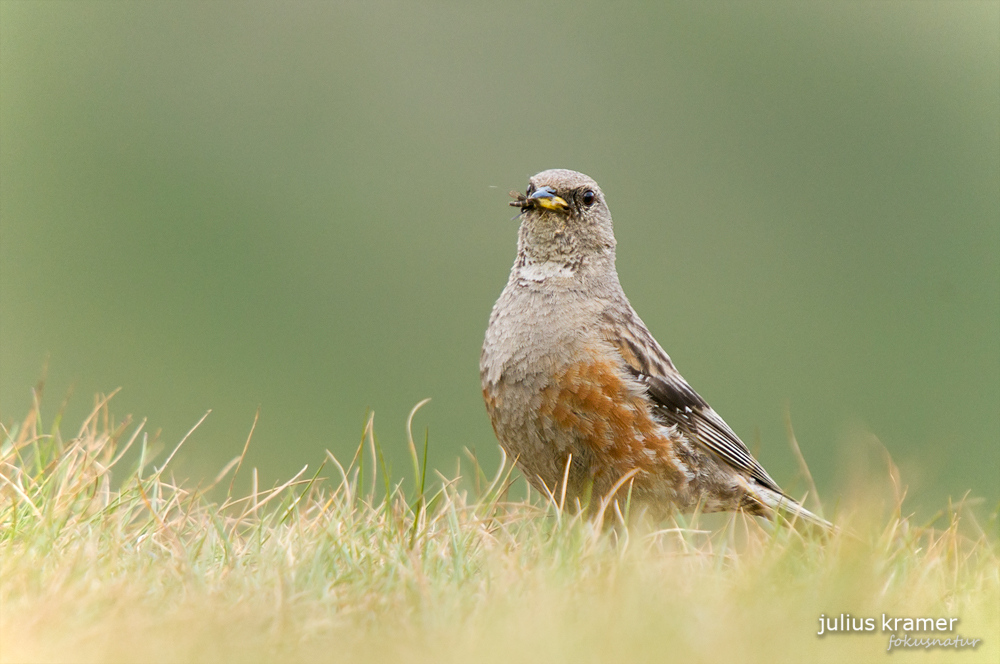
(582, 396)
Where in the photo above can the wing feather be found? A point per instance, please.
(676, 402)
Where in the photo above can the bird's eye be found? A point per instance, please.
(589, 197)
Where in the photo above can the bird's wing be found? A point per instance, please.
(676, 402)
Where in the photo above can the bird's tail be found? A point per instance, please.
(778, 504)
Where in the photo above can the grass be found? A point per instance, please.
(344, 563)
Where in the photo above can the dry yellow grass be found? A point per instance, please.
(135, 568)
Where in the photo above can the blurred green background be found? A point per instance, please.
(303, 206)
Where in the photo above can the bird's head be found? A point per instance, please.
(564, 218)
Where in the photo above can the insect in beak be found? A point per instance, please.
(543, 197)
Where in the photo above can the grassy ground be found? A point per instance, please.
(134, 567)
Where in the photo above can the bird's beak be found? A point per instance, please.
(545, 197)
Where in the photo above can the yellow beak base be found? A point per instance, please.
(551, 203)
